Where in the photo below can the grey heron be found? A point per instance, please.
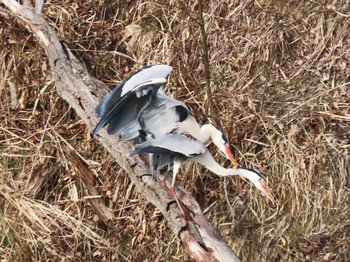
(139, 103)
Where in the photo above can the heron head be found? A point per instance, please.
(256, 178)
(224, 145)
(221, 141)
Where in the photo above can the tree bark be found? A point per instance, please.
(83, 92)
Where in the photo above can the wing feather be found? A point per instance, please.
(122, 107)
(144, 75)
(172, 144)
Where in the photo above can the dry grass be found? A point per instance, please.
(280, 76)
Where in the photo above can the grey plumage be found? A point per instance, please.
(139, 102)
(170, 148)
(174, 144)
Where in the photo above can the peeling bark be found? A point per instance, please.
(83, 92)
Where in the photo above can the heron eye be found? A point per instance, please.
(224, 138)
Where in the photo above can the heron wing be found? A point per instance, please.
(172, 144)
(122, 107)
(162, 114)
(146, 74)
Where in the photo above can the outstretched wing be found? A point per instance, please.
(122, 107)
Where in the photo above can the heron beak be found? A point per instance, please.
(230, 156)
(265, 188)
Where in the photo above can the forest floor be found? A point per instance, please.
(280, 76)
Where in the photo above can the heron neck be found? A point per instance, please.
(209, 162)
(202, 134)
(207, 132)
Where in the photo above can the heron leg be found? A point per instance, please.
(187, 213)
(153, 167)
(163, 182)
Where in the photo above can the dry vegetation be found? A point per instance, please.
(280, 76)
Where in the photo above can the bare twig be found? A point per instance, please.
(13, 92)
(205, 58)
(86, 177)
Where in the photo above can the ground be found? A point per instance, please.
(280, 80)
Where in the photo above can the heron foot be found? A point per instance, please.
(187, 214)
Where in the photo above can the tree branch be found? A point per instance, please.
(82, 92)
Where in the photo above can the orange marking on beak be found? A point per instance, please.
(230, 156)
(265, 188)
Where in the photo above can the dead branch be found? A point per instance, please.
(86, 177)
(82, 92)
(205, 58)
